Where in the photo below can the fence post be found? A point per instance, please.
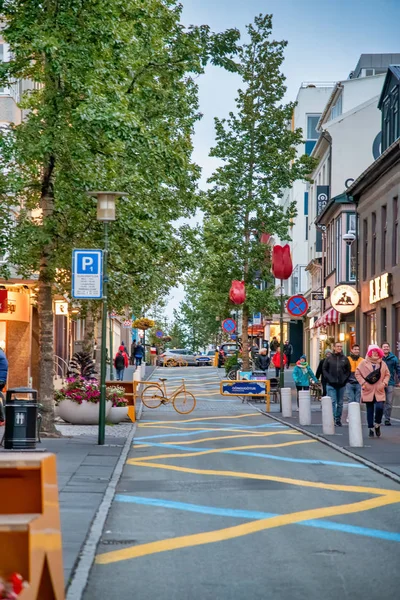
(328, 425)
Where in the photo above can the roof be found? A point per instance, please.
(393, 71)
(370, 176)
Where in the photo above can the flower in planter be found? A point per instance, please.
(116, 395)
(78, 389)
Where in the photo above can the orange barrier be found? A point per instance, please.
(30, 529)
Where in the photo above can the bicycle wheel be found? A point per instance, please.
(184, 402)
(171, 362)
(152, 396)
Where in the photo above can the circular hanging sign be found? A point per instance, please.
(159, 334)
(345, 299)
(229, 325)
(297, 306)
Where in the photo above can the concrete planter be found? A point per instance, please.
(86, 413)
(117, 414)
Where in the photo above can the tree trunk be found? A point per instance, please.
(245, 338)
(45, 312)
(88, 338)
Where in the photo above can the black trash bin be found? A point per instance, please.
(21, 420)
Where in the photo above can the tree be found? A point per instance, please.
(258, 153)
(113, 107)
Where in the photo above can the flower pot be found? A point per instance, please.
(117, 414)
(86, 413)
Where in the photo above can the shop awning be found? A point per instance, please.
(328, 318)
(255, 330)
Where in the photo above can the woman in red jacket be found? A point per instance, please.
(121, 361)
(277, 362)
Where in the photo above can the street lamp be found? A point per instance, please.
(105, 213)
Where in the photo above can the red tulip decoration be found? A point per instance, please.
(237, 293)
(282, 266)
(265, 237)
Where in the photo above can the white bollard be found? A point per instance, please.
(328, 424)
(355, 427)
(304, 407)
(143, 369)
(286, 396)
(137, 375)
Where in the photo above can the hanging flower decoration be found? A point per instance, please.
(282, 266)
(237, 293)
(143, 323)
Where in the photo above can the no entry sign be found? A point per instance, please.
(297, 306)
(229, 325)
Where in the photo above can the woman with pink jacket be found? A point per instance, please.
(373, 376)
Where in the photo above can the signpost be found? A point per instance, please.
(297, 306)
(87, 274)
(317, 295)
(159, 334)
(229, 325)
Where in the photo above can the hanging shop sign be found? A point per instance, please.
(380, 288)
(61, 307)
(345, 299)
(322, 198)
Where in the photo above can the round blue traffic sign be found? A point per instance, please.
(297, 306)
(159, 334)
(229, 325)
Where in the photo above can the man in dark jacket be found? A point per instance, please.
(336, 370)
(262, 360)
(3, 380)
(288, 351)
(392, 363)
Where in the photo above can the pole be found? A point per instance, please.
(103, 369)
(111, 348)
(282, 371)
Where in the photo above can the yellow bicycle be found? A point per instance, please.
(155, 394)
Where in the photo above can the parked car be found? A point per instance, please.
(228, 349)
(184, 355)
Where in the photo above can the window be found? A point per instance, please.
(351, 250)
(323, 175)
(365, 249)
(384, 335)
(383, 236)
(373, 252)
(312, 122)
(338, 243)
(395, 232)
(336, 109)
(390, 118)
(306, 228)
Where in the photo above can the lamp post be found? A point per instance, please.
(105, 214)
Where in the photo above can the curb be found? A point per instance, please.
(323, 440)
(81, 574)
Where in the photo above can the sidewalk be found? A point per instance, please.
(84, 470)
(383, 451)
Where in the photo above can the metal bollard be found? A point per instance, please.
(328, 424)
(304, 407)
(286, 397)
(355, 427)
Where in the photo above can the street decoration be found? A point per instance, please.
(229, 325)
(143, 323)
(345, 299)
(282, 266)
(237, 293)
(297, 306)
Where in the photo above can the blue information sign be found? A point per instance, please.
(244, 388)
(87, 274)
(229, 325)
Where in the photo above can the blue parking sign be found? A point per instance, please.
(87, 274)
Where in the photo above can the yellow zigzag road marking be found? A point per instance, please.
(229, 437)
(217, 450)
(244, 529)
(298, 482)
(285, 432)
(200, 419)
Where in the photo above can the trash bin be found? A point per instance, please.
(21, 420)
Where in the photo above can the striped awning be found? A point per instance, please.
(329, 317)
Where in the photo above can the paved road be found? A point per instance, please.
(227, 504)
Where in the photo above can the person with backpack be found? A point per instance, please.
(121, 361)
(373, 375)
(139, 353)
(3, 381)
(278, 363)
(274, 346)
(302, 374)
(393, 364)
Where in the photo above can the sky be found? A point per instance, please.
(325, 39)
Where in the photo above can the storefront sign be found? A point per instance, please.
(322, 198)
(345, 299)
(3, 301)
(317, 295)
(379, 288)
(61, 307)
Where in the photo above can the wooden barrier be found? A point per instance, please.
(30, 530)
(130, 394)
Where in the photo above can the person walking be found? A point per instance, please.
(121, 362)
(319, 373)
(336, 370)
(3, 381)
(274, 345)
(278, 362)
(302, 373)
(393, 364)
(262, 361)
(373, 375)
(288, 351)
(352, 392)
(138, 354)
(132, 355)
